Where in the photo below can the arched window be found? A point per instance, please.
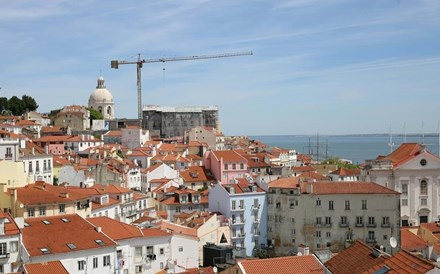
(423, 187)
(109, 110)
(100, 109)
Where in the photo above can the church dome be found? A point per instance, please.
(101, 94)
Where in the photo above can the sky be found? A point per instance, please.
(318, 66)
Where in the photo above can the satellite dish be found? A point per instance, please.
(299, 254)
(215, 269)
(21, 205)
(393, 242)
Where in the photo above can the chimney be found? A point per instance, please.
(64, 195)
(33, 151)
(46, 149)
(2, 226)
(98, 229)
(310, 188)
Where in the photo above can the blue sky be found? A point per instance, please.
(329, 66)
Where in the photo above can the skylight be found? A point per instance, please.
(46, 222)
(71, 246)
(65, 220)
(26, 224)
(45, 250)
(99, 242)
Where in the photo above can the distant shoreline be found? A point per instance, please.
(350, 135)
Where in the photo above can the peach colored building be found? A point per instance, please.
(226, 165)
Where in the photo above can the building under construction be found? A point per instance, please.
(168, 122)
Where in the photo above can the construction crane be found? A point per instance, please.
(139, 63)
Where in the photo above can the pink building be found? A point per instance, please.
(226, 165)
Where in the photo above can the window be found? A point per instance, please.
(37, 166)
(13, 246)
(318, 202)
(241, 166)
(234, 166)
(371, 221)
(95, 262)
(371, 236)
(405, 189)
(423, 187)
(81, 265)
(347, 204)
(180, 248)
(241, 204)
(31, 212)
(161, 265)
(330, 205)
(344, 220)
(161, 251)
(328, 234)
(62, 208)
(138, 251)
(318, 220)
(359, 220)
(106, 260)
(293, 220)
(3, 249)
(385, 220)
(225, 167)
(328, 220)
(233, 205)
(318, 234)
(138, 269)
(293, 231)
(364, 204)
(30, 167)
(424, 202)
(404, 202)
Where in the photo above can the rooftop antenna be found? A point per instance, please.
(391, 144)
(438, 130)
(423, 133)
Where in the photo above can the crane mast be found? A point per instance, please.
(139, 63)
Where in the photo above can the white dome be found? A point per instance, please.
(101, 94)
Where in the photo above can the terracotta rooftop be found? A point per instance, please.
(357, 258)
(290, 182)
(57, 232)
(347, 188)
(346, 172)
(116, 230)
(195, 174)
(243, 186)
(44, 193)
(411, 241)
(402, 263)
(53, 267)
(290, 264)
(403, 153)
(228, 156)
(10, 227)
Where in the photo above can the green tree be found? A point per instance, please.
(15, 105)
(3, 103)
(94, 115)
(29, 103)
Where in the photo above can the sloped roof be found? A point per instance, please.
(53, 267)
(228, 156)
(357, 258)
(10, 227)
(58, 233)
(116, 230)
(411, 241)
(403, 263)
(403, 153)
(195, 174)
(346, 172)
(289, 182)
(290, 264)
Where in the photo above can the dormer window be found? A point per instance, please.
(45, 250)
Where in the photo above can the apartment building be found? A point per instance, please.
(10, 244)
(226, 165)
(244, 204)
(415, 172)
(329, 215)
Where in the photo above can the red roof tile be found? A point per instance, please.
(347, 188)
(10, 227)
(346, 172)
(356, 258)
(290, 182)
(403, 153)
(228, 156)
(403, 262)
(290, 264)
(57, 234)
(54, 267)
(116, 230)
(411, 241)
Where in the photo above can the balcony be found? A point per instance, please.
(370, 240)
(256, 233)
(238, 235)
(8, 156)
(256, 206)
(238, 221)
(319, 225)
(256, 221)
(385, 225)
(238, 208)
(371, 225)
(328, 225)
(4, 255)
(343, 224)
(359, 225)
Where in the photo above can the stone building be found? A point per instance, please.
(174, 121)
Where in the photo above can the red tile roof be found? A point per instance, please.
(290, 264)
(54, 267)
(228, 156)
(116, 230)
(403, 153)
(346, 172)
(195, 174)
(44, 193)
(243, 186)
(403, 262)
(357, 258)
(56, 235)
(290, 182)
(10, 227)
(303, 168)
(411, 241)
(347, 188)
